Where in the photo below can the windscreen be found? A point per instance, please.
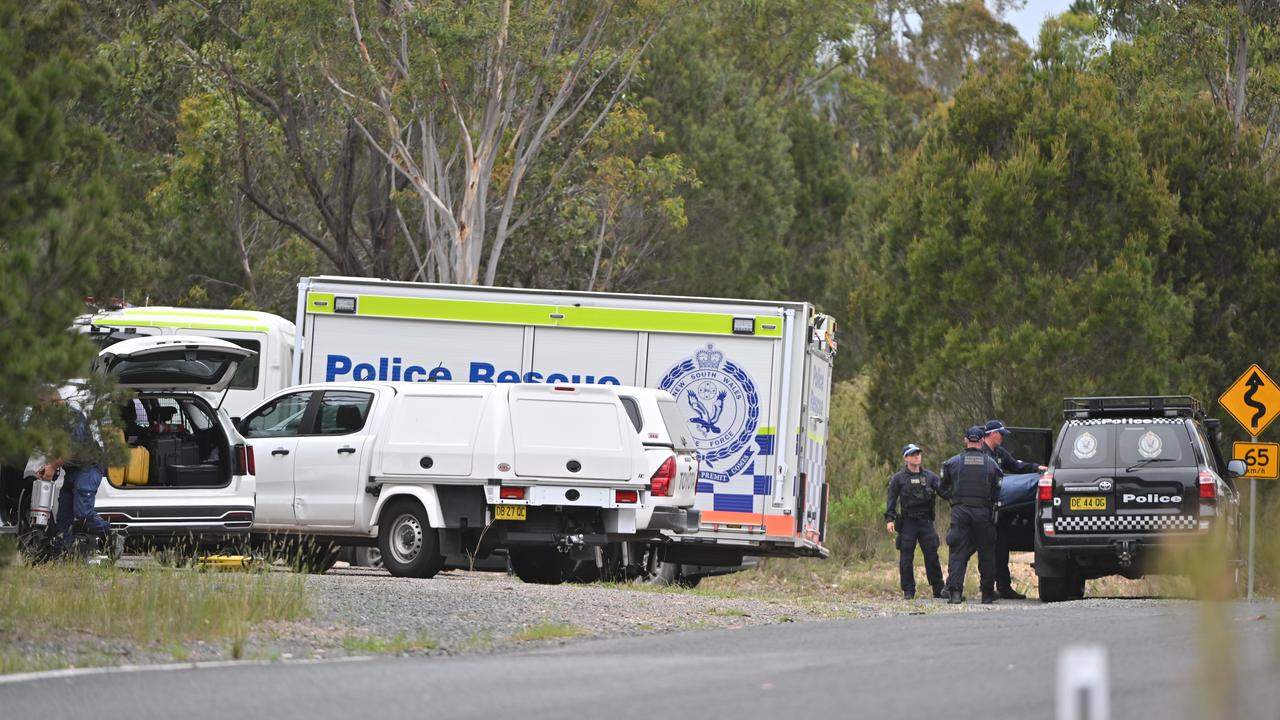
(677, 426)
(1125, 444)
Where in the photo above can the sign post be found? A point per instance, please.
(1254, 401)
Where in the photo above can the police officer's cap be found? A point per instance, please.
(996, 426)
(910, 449)
(975, 433)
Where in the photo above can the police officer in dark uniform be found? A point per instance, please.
(1010, 465)
(971, 481)
(910, 513)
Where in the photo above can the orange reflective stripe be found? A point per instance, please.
(731, 518)
(774, 525)
(779, 525)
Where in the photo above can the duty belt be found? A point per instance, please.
(973, 502)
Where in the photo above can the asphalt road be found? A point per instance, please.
(992, 664)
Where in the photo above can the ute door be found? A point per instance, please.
(273, 430)
(329, 473)
(1018, 492)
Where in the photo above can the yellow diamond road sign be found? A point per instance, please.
(1261, 460)
(1253, 400)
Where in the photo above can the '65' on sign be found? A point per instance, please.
(1259, 458)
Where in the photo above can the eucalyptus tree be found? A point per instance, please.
(410, 128)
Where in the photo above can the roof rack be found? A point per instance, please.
(1077, 408)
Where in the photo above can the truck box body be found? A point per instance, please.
(739, 370)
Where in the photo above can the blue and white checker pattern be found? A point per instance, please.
(815, 469)
(1124, 523)
(748, 491)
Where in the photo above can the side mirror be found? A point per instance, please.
(1236, 468)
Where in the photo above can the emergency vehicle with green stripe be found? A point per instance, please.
(268, 335)
(753, 379)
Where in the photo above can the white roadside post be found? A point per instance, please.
(1084, 691)
(1253, 523)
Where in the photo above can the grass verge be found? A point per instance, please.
(393, 645)
(79, 609)
(547, 631)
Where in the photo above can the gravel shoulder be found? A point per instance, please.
(356, 612)
(477, 612)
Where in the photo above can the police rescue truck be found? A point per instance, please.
(752, 378)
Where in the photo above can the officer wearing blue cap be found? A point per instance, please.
(910, 513)
(992, 443)
(971, 481)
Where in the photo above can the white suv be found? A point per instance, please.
(190, 475)
(673, 460)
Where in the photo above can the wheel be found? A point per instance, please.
(541, 565)
(654, 570)
(688, 581)
(409, 546)
(1075, 586)
(1052, 589)
(367, 557)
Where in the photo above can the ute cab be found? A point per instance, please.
(189, 474)
(1127, 475)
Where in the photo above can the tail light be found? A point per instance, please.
(112, 517)
(626, 496)
(1208, 485)
(1046, 487)
(244, 461)
(511, 493)
(660, 483)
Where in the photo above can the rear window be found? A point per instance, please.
(677, 425)
(1125, 444)
(178, 367)
(246, 377)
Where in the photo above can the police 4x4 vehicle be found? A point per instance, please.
(1128, 475)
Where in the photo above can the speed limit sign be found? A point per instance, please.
(1260, 459)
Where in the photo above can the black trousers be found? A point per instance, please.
(918, 530)
(1003, 579)
(972, 530)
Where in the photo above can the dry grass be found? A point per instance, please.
(547, 631)
(397, 645)
(151, 608)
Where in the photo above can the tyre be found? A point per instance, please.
(367, 557)
(1052, 589)
(541, 565)
(1075, 586)
(688, 581)
(410, 547)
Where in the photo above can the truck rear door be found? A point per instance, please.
(812, 490)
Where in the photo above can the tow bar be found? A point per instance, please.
(1124, 552)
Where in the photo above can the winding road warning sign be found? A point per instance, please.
(1253, 400)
